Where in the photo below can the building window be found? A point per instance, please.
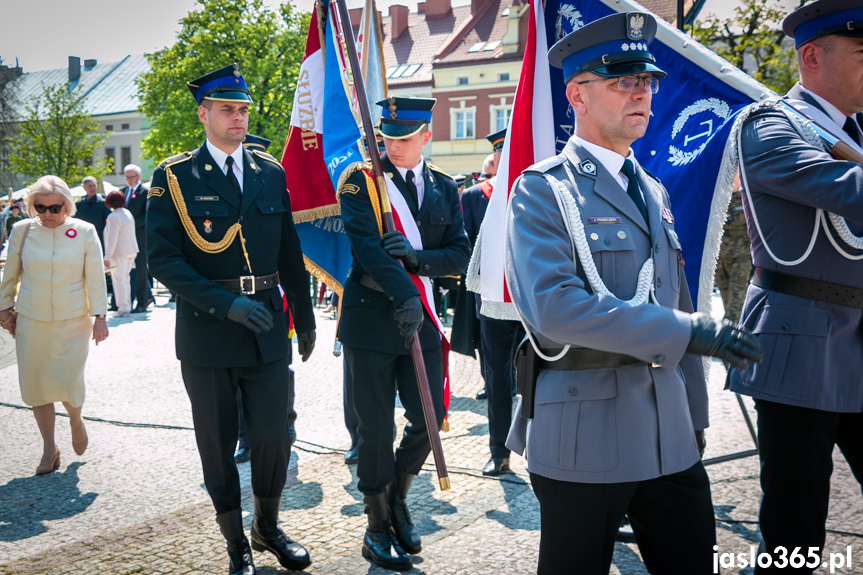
(110, 158)
(126, 155)
(500, 117)
(109, 127)
(462, 80)
(463, 120)
(124, 126)
(503, 77)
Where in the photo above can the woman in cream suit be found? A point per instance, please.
(121, 247)
(56, 282)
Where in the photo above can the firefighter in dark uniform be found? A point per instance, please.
(382, 309)
(498, 337)
(221, 236)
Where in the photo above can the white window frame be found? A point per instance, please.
(492, 115)
(454, 115)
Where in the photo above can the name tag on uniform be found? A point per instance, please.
(206, 198)
(604, 220)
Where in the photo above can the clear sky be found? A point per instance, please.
(42, 34)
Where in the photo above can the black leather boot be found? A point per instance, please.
(239, 554)
(379, 543)
(266, 536)
(400, 516)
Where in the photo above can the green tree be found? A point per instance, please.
(268, 47)
(8, 103)
(753, 41)
(58, 137)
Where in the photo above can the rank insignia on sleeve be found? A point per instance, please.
(587, 167)
(350, 188)
(155, 192)
(208, 226)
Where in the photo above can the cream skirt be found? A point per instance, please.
(51, 358)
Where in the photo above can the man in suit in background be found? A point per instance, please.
(805, 302)
(381, 297)
(91, 208)
(136, 203)
(621, 403)
(221, 236)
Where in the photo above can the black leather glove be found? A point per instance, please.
(306, 343)
(409, 315)
(250, 313)
(398, 246)
(733, 344)
(700, 441)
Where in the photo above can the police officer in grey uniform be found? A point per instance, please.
(221, 236)
(621, 399)
(805, 303)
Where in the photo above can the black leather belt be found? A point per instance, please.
(249, 284)
(582, 358)
(808, 288)
(364, 280)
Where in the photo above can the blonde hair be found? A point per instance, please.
(50, 185)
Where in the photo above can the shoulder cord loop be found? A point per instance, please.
(809, 136)
(581, 252)
(201, 243)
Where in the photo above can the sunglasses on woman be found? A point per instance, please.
(54, 209)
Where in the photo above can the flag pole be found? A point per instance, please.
(389, 225)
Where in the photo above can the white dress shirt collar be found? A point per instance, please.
(220, 157)
(612, 161)
(835, 114)
(418, 179)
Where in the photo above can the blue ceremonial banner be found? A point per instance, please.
(691, 120)
(341, 133)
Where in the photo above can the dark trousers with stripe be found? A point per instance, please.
(376, 377)
(265, 393)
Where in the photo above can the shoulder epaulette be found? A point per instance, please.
(436, 169)
(175, 159)
(266, 156)
(646, 171)
(546, 164)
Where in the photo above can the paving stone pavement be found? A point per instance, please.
(135, 502)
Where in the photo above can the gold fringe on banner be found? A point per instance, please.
(316, 213)
(323, 276)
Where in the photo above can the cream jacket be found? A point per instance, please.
(63, 276)
(119, 236)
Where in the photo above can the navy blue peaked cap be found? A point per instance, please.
(612, 46)
(225, 84)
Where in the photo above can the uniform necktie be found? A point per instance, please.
(632, 190)
(851, 129)
(412, 187)
(232, 177)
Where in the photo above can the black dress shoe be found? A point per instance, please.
(139, 310)
(481, 394)
(496, 466)
(113, 308)
(242, 455)
(266, 536)
(353, 455)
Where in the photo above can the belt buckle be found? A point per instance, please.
(243, 289)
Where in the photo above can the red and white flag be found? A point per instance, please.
(312, 193)
(529, 138)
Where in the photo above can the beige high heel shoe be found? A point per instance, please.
(80, 439)
(51, 466)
